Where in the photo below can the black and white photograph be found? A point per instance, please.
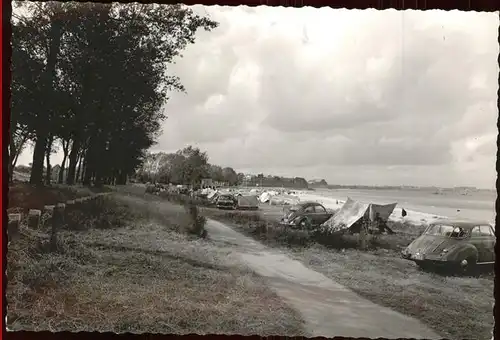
(262, 170)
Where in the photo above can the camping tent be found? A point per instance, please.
(353, 211)
(284, 200)
(248, 202)
(265, 197)
(212, 196)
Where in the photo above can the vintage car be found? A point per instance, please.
(306, 215)
(226, 201)
(456, 244)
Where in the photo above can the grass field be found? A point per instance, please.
(455, 307)
(140, 274)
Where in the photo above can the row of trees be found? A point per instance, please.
(187, 166)
(277, 181)
(190, 165)
(92, 79)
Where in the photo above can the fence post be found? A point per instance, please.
(68, 212)
(13, 227)
(57, 223)
(34, 218)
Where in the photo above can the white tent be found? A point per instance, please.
(353, 211)
(284, 200)
(264, 197)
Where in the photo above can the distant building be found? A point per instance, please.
(317, 183)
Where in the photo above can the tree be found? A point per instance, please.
(215, 173)
(241, 178)
(172, 169)
(74, 55)
(195, 165)
(230, 176)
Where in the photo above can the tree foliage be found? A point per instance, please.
(187, 166)
(94, 77)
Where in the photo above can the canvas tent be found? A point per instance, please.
(284, 200)
(352, 212)
(265, 197)
(248, 202)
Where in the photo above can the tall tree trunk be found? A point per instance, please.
(14, 151)
(18, 152)
(12, 158)
(121, 178)
(73, 155)
(89, 167)
(79, 168)
(36, 177)
(48, 152)
(84, 169)
(41, 121)
(48, 169)
(83, 163)
(65, 145)
(60, 178)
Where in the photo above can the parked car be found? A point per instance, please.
(226, 201)
(456, 244)
(306, 215)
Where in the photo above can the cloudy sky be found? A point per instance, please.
(355, 97)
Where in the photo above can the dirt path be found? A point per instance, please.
(328, 308)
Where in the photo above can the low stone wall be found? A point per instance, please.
(53, 217)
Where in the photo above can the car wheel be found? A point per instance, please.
(305, 224)
(468, 265)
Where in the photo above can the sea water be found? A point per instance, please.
(477, 205)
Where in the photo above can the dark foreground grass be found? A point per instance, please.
(455, 307)
(137, 273)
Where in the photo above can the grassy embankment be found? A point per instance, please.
(23, 196)
(132, 265)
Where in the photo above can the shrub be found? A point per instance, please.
(196, 221)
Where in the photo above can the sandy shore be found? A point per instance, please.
(413, 217)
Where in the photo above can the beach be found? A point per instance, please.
(422, 206)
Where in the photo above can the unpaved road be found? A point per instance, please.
(328, 308)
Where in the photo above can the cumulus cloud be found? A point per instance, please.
(374, 97)
(358, 97)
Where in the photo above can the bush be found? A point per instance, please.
(197, 222)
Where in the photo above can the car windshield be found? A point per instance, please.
(446, 230)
